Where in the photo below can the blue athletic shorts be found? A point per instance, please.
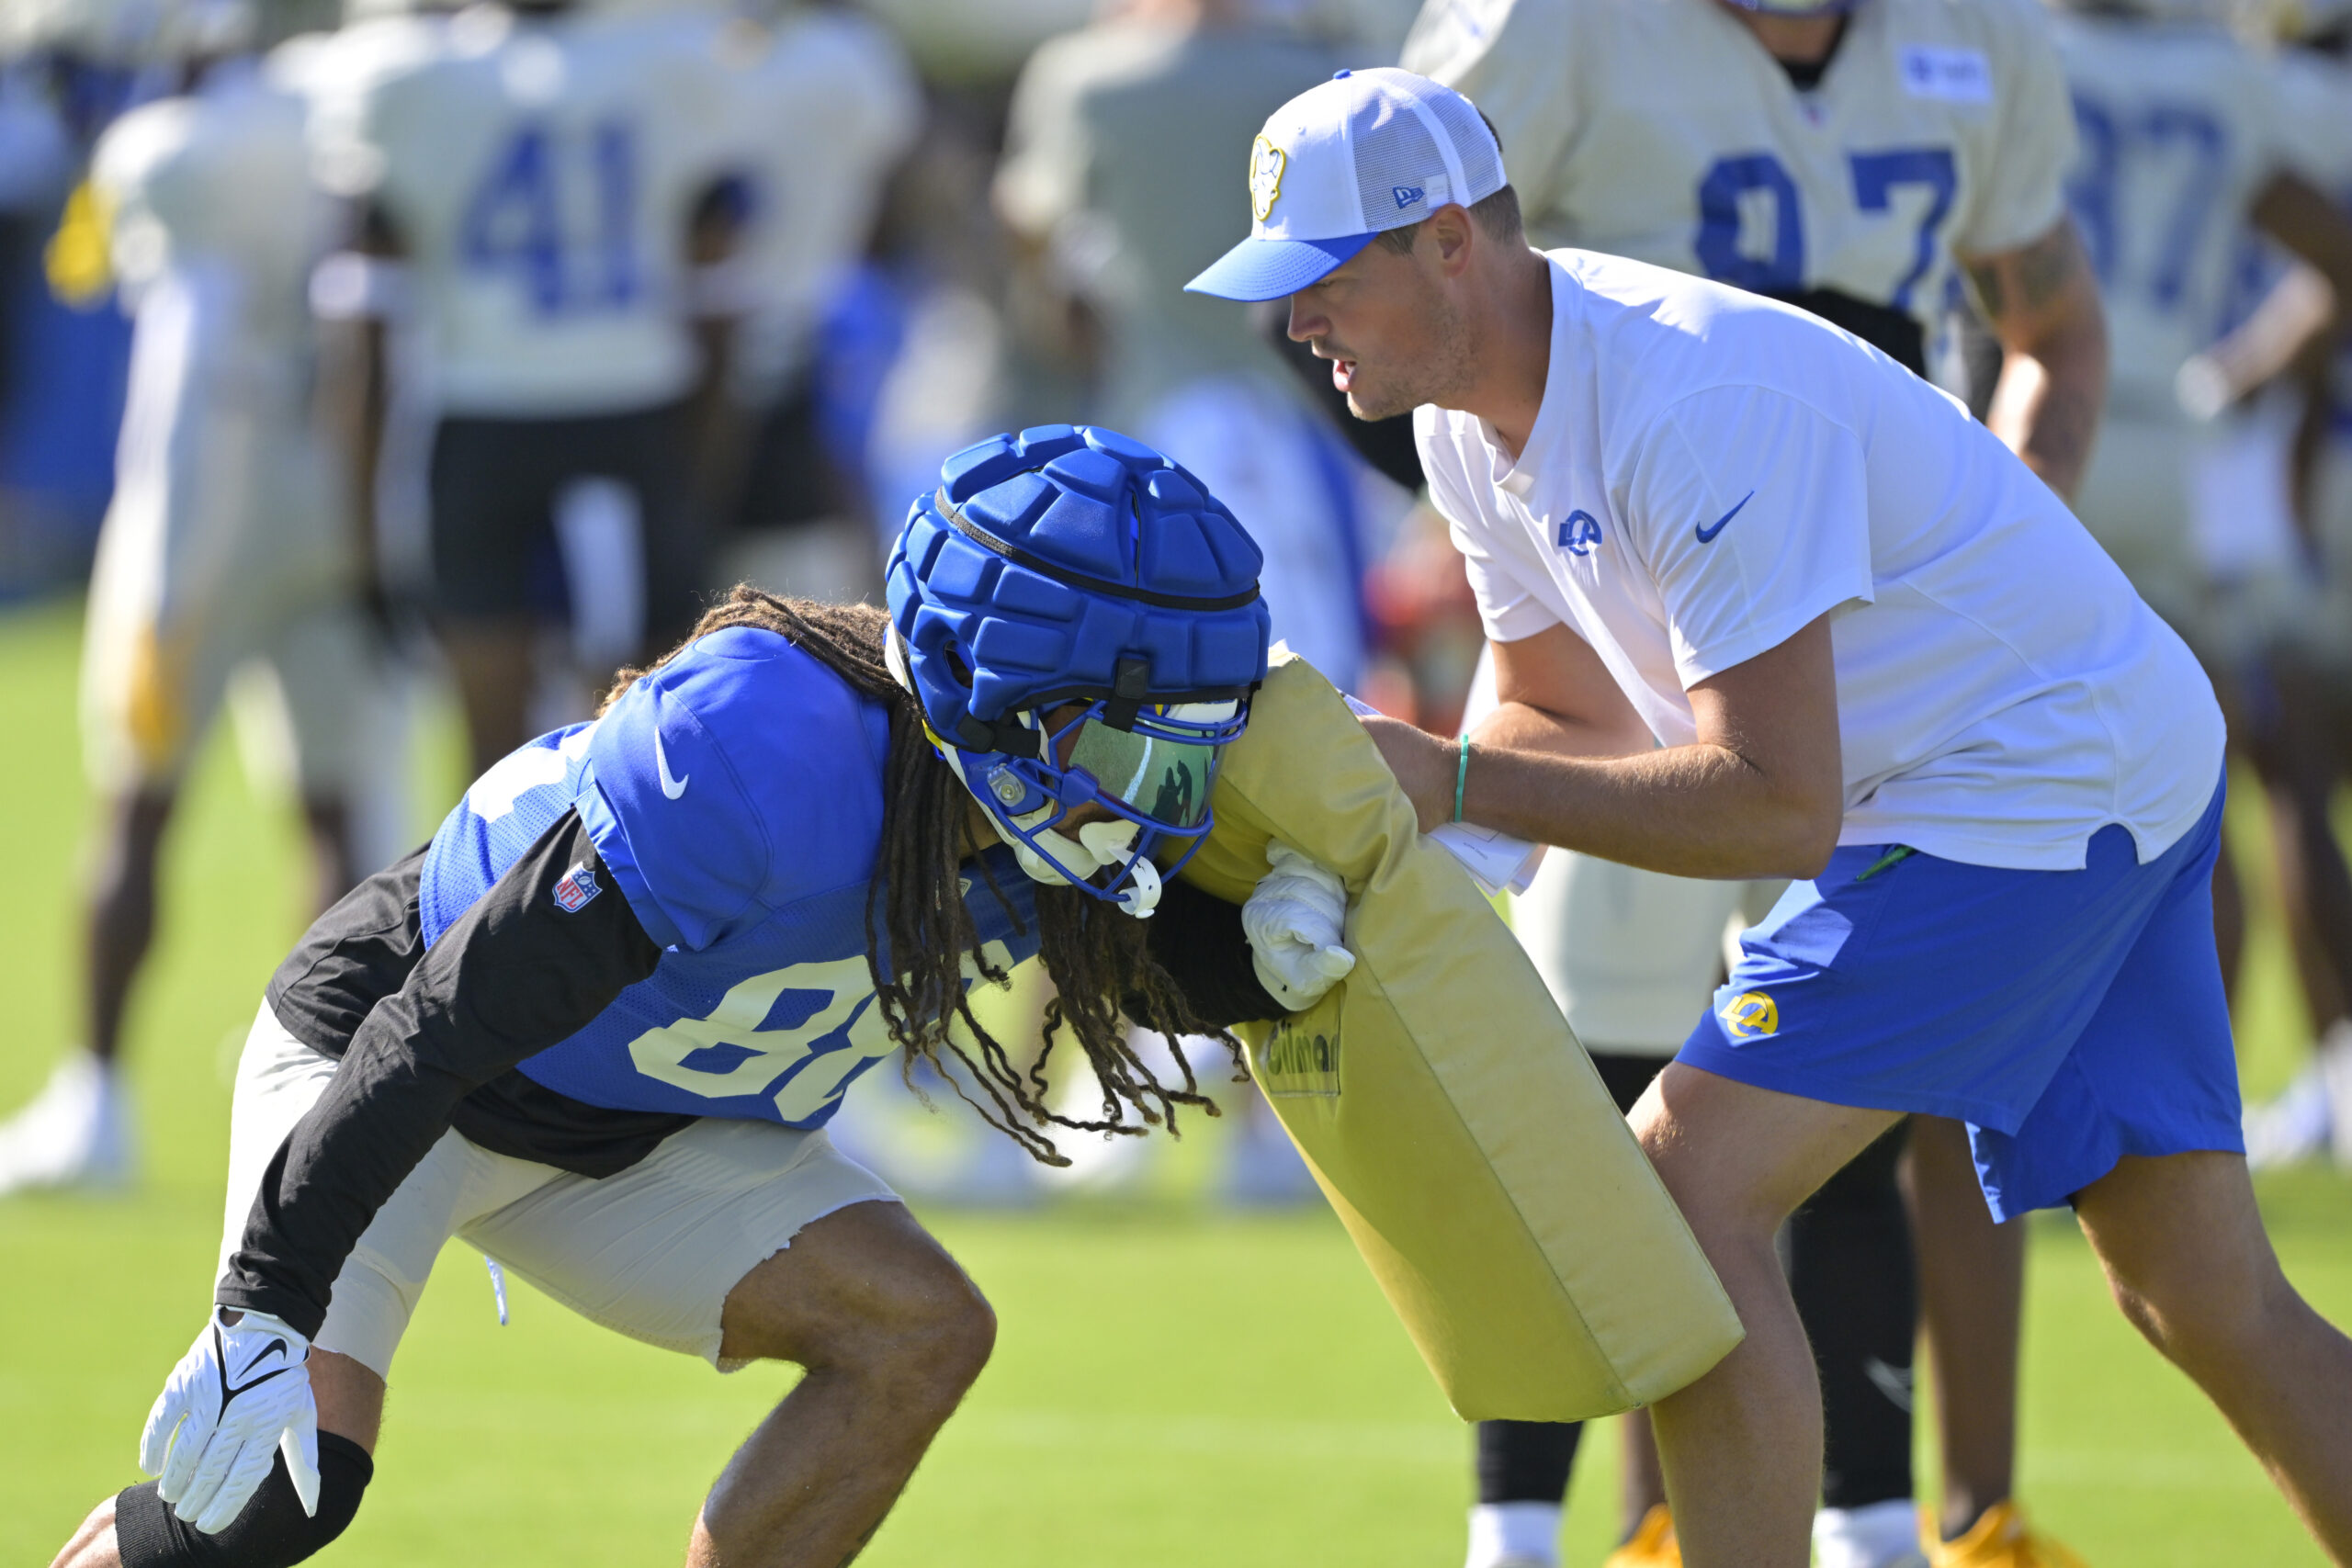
(2070, 1018)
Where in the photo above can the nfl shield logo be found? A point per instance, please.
(576, 886)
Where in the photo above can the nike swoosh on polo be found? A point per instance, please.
(669, 786)
(1707, 535)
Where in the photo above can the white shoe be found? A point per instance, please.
(2333, 1063)
(75, 1133)
(2300, 1124)
(1877, 1535)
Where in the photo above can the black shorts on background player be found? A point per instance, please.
(495, 486)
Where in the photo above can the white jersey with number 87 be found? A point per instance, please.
(2180, 129)
(1663, 130)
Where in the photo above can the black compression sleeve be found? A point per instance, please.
(1855, 1282)
(353, 957)
(1198, 939)
(1526, 1462)
(514, 976)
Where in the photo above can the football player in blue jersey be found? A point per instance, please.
(596, 1027)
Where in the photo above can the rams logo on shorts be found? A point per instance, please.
(1266, 165)
(1749, 1014)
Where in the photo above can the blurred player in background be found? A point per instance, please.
(227, 543)
(1849, 159)
(1117, 181)
(2273, 494)
(829, 77)
(534, 201)
(2189, 140)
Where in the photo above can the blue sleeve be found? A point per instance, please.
(739, 778)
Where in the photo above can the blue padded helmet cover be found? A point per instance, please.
(1046, 558)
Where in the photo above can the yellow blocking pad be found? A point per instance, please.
(1445, 1108)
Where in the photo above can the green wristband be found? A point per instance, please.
(1461, 771)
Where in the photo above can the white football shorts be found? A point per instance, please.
(2136, 500)
(650, 1252)
(242, 556)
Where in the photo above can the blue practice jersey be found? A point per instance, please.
(735, 796)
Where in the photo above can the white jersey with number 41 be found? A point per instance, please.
(540, 175)
(1663, 130)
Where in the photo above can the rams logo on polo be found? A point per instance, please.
(1580, 532)
(1266, 163)
(1749, 1014)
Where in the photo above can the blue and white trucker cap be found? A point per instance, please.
(1366, 151)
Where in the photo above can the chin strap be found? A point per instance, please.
(1141, 896)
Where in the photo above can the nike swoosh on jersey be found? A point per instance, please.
(1707, 535)
(669, 786)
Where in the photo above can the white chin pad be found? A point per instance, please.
(1098, 845)
(1037, 867)
(1108, 843)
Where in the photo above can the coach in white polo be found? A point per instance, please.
(1763, 604)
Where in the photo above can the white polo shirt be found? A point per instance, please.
(1709, 472)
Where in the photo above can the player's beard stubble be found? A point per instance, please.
(1434, 366)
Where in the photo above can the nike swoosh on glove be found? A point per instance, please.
(1294, 920)
(241, 1394)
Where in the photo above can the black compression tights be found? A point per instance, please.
(1851, 1271)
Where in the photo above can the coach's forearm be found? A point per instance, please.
(1700, 810)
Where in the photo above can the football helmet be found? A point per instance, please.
(1079, 623)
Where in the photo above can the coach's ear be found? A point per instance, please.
(1453, 239)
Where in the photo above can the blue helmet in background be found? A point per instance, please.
(1079, 623)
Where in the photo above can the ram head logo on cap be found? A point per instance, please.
(1266, 162)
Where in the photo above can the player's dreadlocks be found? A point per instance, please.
(1095, 953)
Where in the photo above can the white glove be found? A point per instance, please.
(241, 1394)
(1293, 921)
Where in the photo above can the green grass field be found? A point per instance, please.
(1172, 1385)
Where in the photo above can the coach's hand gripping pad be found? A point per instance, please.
(1444, 1107)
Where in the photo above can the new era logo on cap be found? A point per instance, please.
(1364, 152)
